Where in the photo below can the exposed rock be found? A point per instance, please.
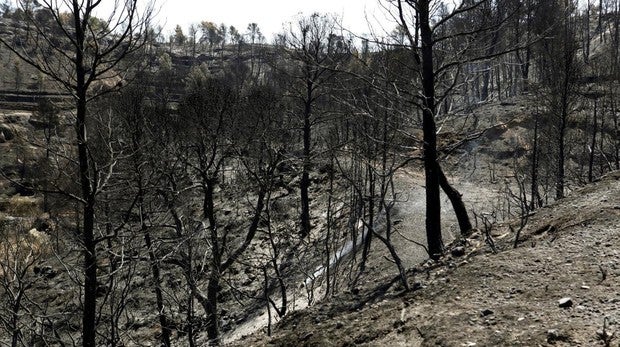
(458, 251)
(486, 312)
(554, 335)
(39, 236)
(102, 290)
(45, 271)
(20, 118)
(39, 124)
(565, 302)
(605, 335)
(307, 336)
(6, 134)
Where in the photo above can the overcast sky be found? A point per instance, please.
(268, 14)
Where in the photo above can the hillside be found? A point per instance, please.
(509, 298)
(226, 191)
(512, 298)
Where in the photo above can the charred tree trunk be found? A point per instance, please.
(16, 333)
(487, 65)
(89, 252)
(193, 293)
(586, 39)
(486, 77)
(304, 184)
(210, 305)
(559, 179)
(159, 298)
(213, 289)
(593, 143)
(560, 173)
(524, 62)
(367, 233)
(402, 273)
(328, 236)
(535, 200)
(599, 26)
(433, 202)
(616, 116)
(86, 54)
(219, 266)
(274, 260)
(457, 203)
(138, 143)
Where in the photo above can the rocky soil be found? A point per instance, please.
(560, 286)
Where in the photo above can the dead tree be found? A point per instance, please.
(78, 52)
(315, 50)
(437, 78)
(559, 70)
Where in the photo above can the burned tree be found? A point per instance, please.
(315, 50)
(441, 43)
(79, 51)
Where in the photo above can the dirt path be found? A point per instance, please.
(410, 214)
(410, 211)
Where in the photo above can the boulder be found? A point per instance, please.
(45, 271)
(565, 302)
(486, 312)
(39, 124)
(6, 134)
(458, 251)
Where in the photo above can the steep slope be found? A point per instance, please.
(512, 298)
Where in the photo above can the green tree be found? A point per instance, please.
(179, 37)
(236, 38)
(211, 34)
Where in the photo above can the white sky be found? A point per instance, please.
(268, 14)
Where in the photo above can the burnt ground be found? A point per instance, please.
(566, 250)
(569, 249)
(480, 298)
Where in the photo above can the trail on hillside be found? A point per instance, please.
(559, 287)
(409, 235)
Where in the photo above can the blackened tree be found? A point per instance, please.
(83, 54)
